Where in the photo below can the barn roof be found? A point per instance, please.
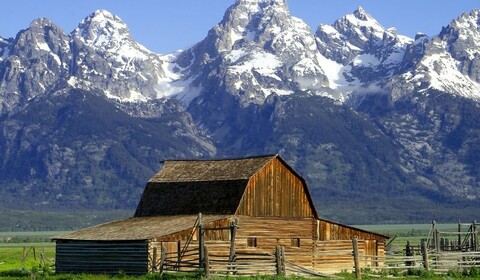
(210, 170)
(188, 187)
(138, 228)
(187, 198)
(214, 186)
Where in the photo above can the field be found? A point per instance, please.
(19, 261)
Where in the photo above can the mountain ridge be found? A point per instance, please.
(357, 109)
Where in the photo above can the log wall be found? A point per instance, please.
(101, 257)
(271, 231)
(328, 230)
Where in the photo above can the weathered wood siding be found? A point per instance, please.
(106, 257)
(327, 230)
(272, 231)
(275, 191)
(324, 255)
(333, 256)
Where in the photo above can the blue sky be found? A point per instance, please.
(164, 26)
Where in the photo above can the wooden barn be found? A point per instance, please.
(249, 207)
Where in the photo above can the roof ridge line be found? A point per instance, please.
(222, 159)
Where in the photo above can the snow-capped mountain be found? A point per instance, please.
(356, 108)
(448, 62)
(360, 53)
(32, 63)
(258, 49)
(104, 50)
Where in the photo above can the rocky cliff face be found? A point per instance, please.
(446, 62)
(258, 49)
(362, 112)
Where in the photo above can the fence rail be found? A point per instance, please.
(347, 255)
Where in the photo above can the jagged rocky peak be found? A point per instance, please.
(32, 63)
(463, 35)
(360, 27)
(449, 62)
(41, 35)
(357, 33)
(251, 20)
(258, 49)
(101, 27)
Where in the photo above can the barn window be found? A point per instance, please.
(251, 241)
(295, 242)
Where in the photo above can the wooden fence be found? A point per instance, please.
(350, 255)
(423, 258)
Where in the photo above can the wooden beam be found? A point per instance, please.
(356, 259)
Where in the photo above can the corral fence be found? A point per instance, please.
(416, 258)
(352, 257)
(244, 262)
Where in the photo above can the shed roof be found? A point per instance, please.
(210, 170)
(137, 228)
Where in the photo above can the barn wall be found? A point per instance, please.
(105, 257)
(275, 191)
(271, 231)
(325, 255)
(327, 230)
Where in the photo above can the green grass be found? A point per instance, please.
(412, 232)
(11, 258)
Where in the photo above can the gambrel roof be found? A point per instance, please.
(187, 187)
(176, 171)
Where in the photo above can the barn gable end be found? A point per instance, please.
(277, 190)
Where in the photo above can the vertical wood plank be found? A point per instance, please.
(356, 259)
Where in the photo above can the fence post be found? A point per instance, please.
(201, 241)
(280, 261)
(207, 262)
(459, 236)
(425, 255)
(409, 253)
(163, 256)
(437, 241)
(356, 261)
(231, 255)
(475, 236)
(437, 247)
(179, 254)
(282, 258)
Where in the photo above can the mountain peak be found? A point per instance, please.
(261, 2)
(41, 22)
(104, 16)
(100, 27)
(361, 14)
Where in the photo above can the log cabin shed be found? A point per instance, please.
(262, 198)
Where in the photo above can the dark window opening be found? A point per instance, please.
(251, 241)
(295, 242)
